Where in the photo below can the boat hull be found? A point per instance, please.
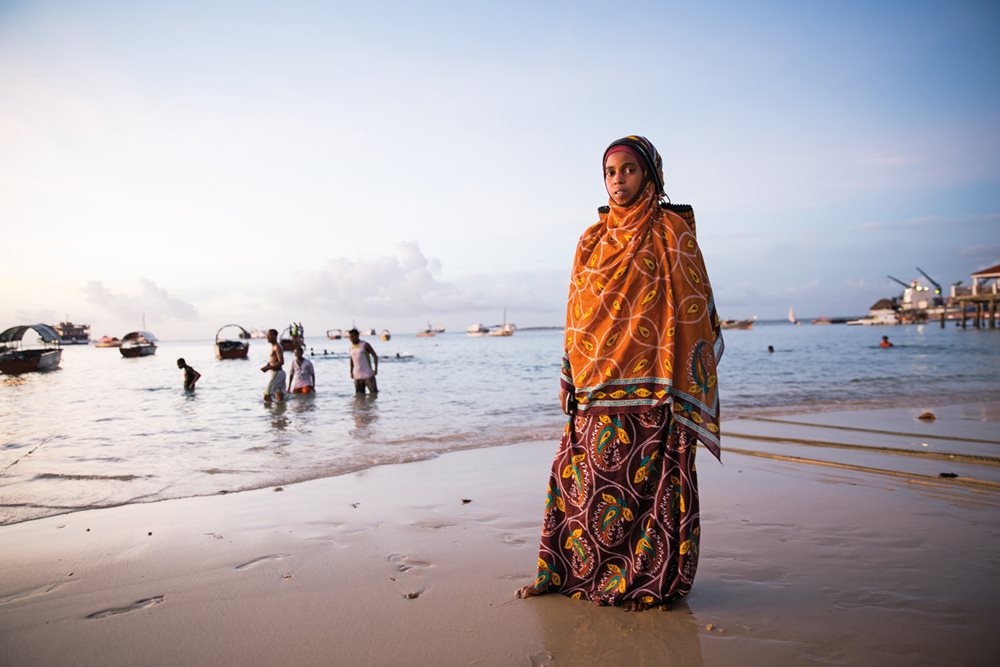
(231, 350)
(29, 361)
(134, 351)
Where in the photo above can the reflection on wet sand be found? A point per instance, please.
(669, 635)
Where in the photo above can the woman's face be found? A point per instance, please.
(623, 177)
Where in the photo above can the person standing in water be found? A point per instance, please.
(302, 379)
(621, 520)
(362, 371)
(275, 362)
(191, 376)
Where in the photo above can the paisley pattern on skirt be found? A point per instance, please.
(621, 512)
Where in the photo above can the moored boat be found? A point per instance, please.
(384, 335)
(334, 334)
(737, 324)
(16, 359)
(230, 348)
(428, 332)
(73, 334)
(108, 341)
(505, 329)
(138, 344)
(477, 329)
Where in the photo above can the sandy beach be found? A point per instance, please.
(813, 552)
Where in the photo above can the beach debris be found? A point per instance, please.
(924, 444)
(412, 595)
(149, 533)
(355, 505)
(710, 627)
(927, 416)
(215, 535)
(88, 530)
(279, 488)
(466, 501)
(286, 576)
(948, 475)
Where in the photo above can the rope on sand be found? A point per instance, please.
(911, 476)
(937, 456)
(874, 430)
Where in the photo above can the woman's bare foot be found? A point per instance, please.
(528, 591)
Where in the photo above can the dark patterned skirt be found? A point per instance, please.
(621, 514)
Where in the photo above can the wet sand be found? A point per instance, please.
(801, 562)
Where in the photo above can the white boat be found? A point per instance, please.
(791, 315)
(882, 313)
(477, 329)
(505, 329)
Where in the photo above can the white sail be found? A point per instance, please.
(791, 315)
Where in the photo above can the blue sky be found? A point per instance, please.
(398, 163)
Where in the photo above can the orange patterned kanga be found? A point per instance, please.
(641, 324)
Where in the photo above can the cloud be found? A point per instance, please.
(982, 254)
(408, 284)
(150, 298)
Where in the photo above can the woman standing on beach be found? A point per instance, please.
(639, 384)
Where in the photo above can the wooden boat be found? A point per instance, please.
(16, 359)
(428, 332)
(138, 344)
(108, 341)
(230, 348)
(737, 324)
(384, 335)
(286, 340)
(73, 334)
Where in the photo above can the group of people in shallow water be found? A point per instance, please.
(302, 376)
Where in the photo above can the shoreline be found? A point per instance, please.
(733, 420)
(391, 565)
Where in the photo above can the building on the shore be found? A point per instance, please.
(983, 295)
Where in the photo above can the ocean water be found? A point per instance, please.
(104, 430)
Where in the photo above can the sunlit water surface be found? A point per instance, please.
(104, 430)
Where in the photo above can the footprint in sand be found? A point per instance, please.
(405, 563)
(258, 561)
(31, 592)
(135, 606)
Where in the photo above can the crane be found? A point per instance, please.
(905, 285)
(937, 286)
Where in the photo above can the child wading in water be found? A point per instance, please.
(621, 519)
(190, 375)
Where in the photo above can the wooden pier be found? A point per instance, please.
(984, 297)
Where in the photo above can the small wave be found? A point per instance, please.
(115, 478)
